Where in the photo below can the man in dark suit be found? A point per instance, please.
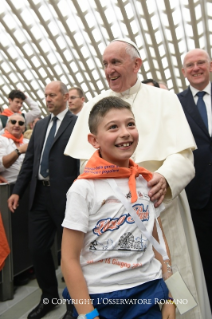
(50, 174)
(196, 102)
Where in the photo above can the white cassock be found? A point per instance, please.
(165, 145)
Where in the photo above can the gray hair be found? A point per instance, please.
(9, 117)
(131, 51)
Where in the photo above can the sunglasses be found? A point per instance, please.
(20, 123)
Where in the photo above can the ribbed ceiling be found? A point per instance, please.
(42, 41)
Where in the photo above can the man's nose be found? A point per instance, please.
(196, 66)
(109, 69)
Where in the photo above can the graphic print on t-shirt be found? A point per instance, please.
(120, 241)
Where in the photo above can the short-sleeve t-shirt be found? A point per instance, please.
(115, 254)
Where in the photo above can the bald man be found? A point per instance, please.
(50, 174)
(196, 102)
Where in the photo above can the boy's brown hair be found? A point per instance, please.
(102, 107)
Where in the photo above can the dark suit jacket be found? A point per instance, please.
(199, 189)
(63, 170)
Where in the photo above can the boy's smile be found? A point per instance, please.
(117, 137)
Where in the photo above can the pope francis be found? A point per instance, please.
(165, 148)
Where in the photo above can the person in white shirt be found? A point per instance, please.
(16, 99)
(116, 258)
(12, 148)
(76, 100)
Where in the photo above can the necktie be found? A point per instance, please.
(45, 159)
(202, 108)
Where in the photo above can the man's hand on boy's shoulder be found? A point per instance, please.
(158, 187)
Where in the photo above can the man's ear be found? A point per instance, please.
(66, 97)
(138, 64)
(10, 101)
(93, 140)
(184, 72)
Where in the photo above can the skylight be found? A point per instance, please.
(43, 40)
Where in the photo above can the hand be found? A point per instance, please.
(23, 148)
(158, 185)
(13, 202)
(3, 180)
(168, 311)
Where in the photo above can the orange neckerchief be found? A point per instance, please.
(15, 139)
(8, 112)
(98, 168)
(4, 246)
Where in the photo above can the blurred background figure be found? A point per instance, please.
(163, 85)
(151, 82)
(76, 100)
(28, 132)
(16, 99)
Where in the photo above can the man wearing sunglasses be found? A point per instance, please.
(76, 100)
(13, 147)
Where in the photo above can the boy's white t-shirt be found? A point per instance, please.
(115, 255)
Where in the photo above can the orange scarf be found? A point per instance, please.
(98, 168)
(15, 139)
(4, 246)
(8, 112)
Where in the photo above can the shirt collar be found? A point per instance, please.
(134, 89)
(61, 115)
(207, 89)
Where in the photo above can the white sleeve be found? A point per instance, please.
(178, 170)
(78, 205)
(3, 152)
(2, 131)
(34, 112)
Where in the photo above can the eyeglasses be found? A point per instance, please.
(73, 97)
(198, 64)
(20, 123)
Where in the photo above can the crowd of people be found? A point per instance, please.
(136, 146)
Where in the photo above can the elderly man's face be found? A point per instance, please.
(120, 69)
(55, 100)
(14, 126)
(197, 68)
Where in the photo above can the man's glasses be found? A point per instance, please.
(20, 123)
(73, 97)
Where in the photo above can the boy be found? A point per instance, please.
(105, 257)
(16, 99)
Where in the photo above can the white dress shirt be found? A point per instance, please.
(60, 117)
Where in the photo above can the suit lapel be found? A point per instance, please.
(191, 108)
(65, 122)
(42, 132)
